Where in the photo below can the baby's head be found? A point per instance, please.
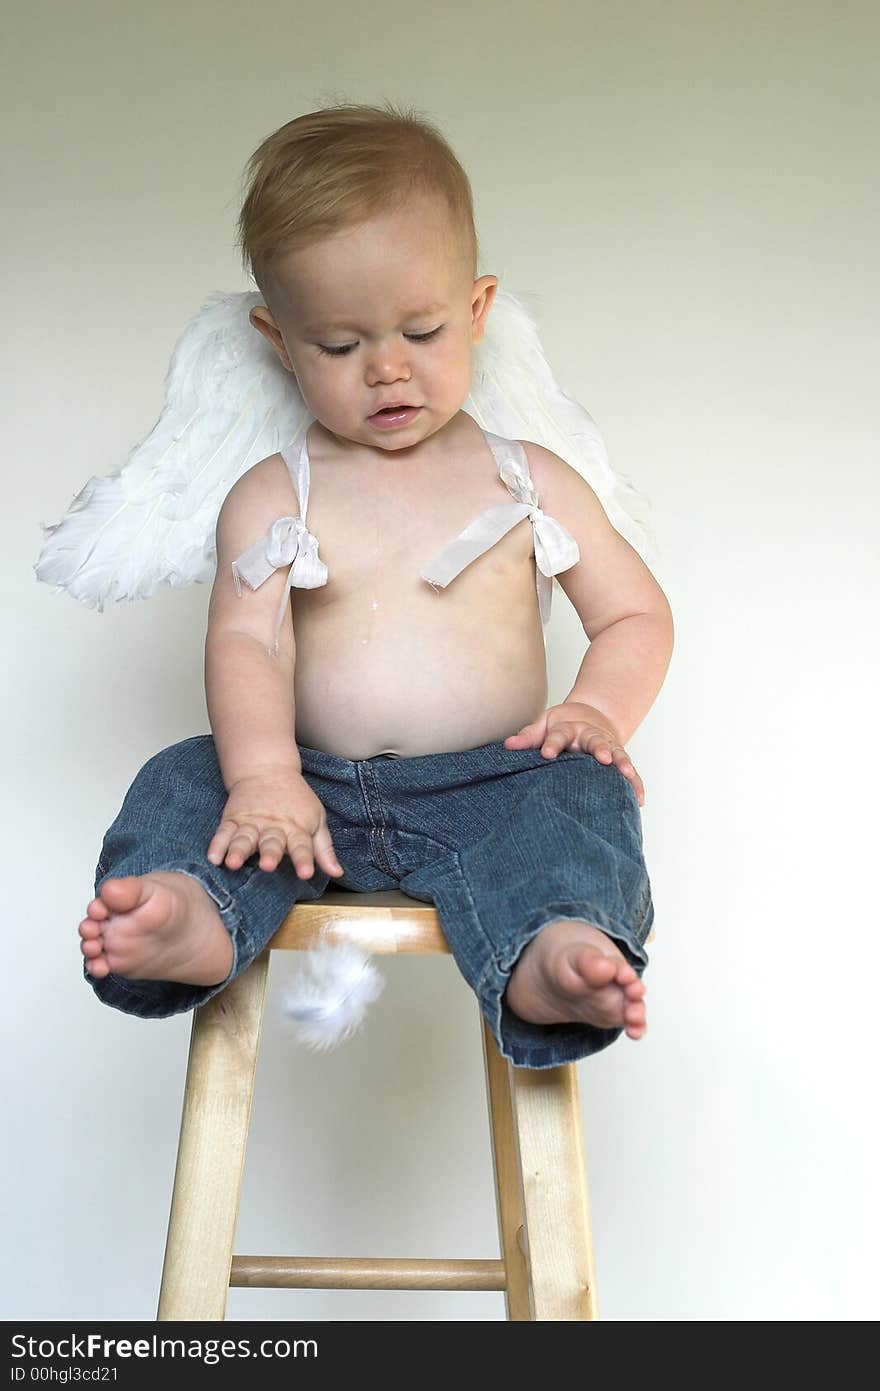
(358, 229)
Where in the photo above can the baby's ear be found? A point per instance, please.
(484, 293)
(262, 319)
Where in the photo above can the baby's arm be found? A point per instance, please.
(271, 809)
(250, 694)
(625, 615)
(622, 608)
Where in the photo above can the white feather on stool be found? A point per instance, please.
(328, 1002)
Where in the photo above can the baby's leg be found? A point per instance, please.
(580, 827)
(545, 899)
(167, 928)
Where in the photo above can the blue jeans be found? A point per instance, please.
(501, 841)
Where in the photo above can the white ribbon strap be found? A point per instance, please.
(555, 548)
(476, 538)
(287, 542)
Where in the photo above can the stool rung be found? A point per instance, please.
(340, 1273)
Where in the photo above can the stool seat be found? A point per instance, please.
(546, 1268)
(378, 923)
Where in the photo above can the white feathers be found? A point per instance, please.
(229, 403)
(328, 1001)
(515, 394)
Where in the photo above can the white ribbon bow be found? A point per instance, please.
(287, 542)
(555, 548)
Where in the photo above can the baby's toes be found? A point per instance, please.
(98, 910)
(91, 948)
(89, 929)
(582, 966)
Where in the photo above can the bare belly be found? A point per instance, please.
(386, 664)
(421, 672)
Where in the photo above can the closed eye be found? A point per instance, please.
(349, 347)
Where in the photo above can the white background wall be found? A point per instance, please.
(686, 193)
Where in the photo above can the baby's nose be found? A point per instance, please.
(389, 362)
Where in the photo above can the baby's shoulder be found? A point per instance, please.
(266, 487)
(542, 462)
(560, 487)
(262, 494)
(566, 496)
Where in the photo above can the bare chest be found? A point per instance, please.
(378, 530)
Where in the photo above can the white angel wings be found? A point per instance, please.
(230, 403)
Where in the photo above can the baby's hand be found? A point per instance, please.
(274, 812)
(576, 726)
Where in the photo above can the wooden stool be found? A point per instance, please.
(546, 1268)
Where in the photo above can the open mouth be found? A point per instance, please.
(394, 415)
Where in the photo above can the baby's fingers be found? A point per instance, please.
(299, 848)
(236, 843)
(272, 844)
(599, 745)
(220, 841)
(245, 839)
(638, 786)
(303, 854)
(325, 854)
(623, 763)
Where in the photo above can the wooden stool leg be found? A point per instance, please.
(559, 1241)
(210, 1158)
(508, 1194)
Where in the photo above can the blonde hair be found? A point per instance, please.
(331, 169)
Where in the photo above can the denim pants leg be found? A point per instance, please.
(166, 822)
(502, 841)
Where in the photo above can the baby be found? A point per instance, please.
(399, 725)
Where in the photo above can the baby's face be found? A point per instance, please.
(348, 314)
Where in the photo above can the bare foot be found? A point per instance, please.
(573, 972)
(161, 926)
